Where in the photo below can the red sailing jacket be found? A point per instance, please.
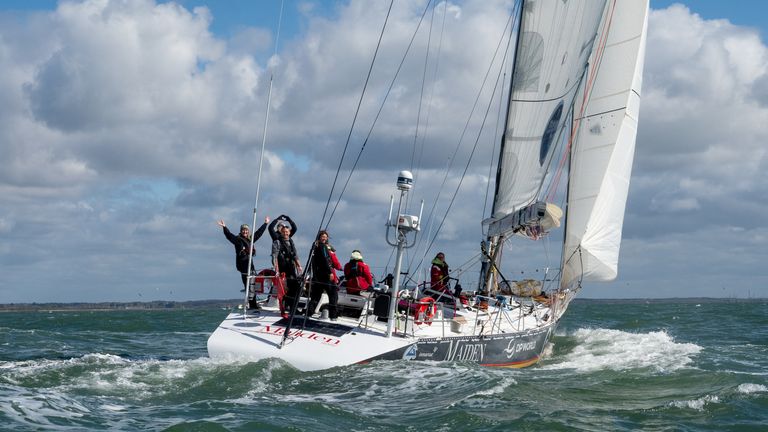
(358, 276)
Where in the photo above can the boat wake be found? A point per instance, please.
(606, 349)
(44, 393)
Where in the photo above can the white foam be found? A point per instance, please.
(606, 349)
(259, 384)
(696, 404)
(752, 388)
(113, 408)
(111, 374)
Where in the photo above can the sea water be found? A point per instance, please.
(612, 366)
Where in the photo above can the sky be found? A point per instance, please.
(128, 128)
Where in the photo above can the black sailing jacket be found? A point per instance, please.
(241, 246)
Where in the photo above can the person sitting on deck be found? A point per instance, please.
(357, 273)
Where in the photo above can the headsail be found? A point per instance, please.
(555, 41)
(602, 154)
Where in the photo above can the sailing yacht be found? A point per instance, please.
(572, 115)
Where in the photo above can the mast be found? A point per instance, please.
(492, 242)
(261, 163)
(509, 98)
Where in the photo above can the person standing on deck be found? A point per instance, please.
(357, 273)
(285, 260)
(324, 279)
(242, 244)
(438, 275)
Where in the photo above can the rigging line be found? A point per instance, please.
(357, 112)
(461, 138)
(261, 157)
(556, 177)
(554, 180)
(421, 90)
(563, 204)
(432, 90)
(421, 99)
(466, 167)
(266, 117)
(373, 125)
(591, 74)
(307, 269)
(392, 252)
(493, 150)
(468, 264)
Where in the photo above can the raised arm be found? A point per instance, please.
(228, 234)
(259, 232)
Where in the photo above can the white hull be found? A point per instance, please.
(501, 336)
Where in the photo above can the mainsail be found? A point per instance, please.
(555, 41)
(601, 158)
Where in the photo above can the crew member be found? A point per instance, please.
(439, 273)
(357, 273)
(285, 261)
(242, 243)
(324, 279)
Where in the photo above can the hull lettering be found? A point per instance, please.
(279, 331)
(465, 352)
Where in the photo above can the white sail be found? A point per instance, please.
(604, 147)
(555, 41)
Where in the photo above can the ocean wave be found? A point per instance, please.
(455, 383)
(111, 374)
(748, 388)
(607, 349)
(696, 404)
(37, 409)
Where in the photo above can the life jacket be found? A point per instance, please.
(286, 256)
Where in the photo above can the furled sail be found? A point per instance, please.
(555, 41)
(602, 153)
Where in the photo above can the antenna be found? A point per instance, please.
(403, 225)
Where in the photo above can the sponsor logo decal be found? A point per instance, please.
(411, 352)
(516, 347)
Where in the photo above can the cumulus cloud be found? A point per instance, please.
(699, 135)
(129, 127)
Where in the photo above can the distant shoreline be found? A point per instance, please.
(120, 306)
(234, 303)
